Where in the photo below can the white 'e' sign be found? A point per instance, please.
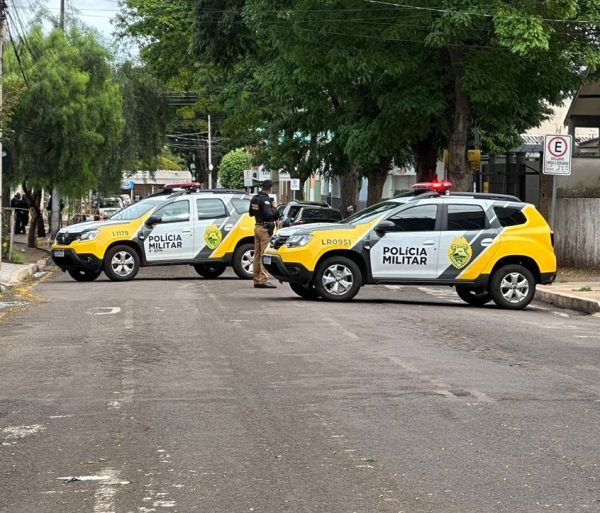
(557, 154)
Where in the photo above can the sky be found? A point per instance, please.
(96, 13)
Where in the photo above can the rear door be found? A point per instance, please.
(410, 249)
(211, 225)
(465, 238)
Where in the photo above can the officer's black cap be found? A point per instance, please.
(267, 184)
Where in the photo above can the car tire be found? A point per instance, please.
(305, 291)
(210, 271)
(121, 263)
(82, 275)
(242, 261)
(512, 286)
(338, 279)
(476, 296)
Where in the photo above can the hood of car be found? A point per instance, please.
(310, 228)
(90, 225)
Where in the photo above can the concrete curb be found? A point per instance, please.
(24, 272)
(568, 301)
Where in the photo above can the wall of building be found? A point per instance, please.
(585, 175)
(577, 240)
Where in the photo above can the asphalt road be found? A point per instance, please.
(173, 393)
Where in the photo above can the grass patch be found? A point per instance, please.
(587, 288)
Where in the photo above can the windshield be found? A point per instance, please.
(137, 209)
(369, 214)
(110, 203)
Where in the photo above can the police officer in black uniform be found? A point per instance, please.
(264, 210)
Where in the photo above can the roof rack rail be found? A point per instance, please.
(217, 191)
(487, 195)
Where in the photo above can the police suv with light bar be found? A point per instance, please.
(490, 247)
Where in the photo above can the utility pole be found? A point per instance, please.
(2, 37)
(210, 165)
(56, 214)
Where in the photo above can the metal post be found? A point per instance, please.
(2, 37)
(553, 208)
(210, 165)
(11, 227)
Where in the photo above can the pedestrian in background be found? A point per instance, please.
(264, 210)
(16, 204)
(23, 213)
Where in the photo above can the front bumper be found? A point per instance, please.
(293, 273)
(70, 260)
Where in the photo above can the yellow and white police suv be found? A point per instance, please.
(207, 229)
(489, 247)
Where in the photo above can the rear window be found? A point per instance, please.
(465, 217)
(241, 205)
(510, 216)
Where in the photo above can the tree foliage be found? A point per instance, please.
(68, 122)
(341, 85)
(231, 169)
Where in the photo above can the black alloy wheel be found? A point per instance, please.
(121, 263)
(338, 279)
(242, 262)
(512, 286)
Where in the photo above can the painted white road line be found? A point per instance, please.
(104, 310)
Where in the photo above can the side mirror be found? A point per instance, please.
(385, 226)
(153, 220)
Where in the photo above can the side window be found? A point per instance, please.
(178, 211)
(510, 216)
(211, 208)
(241, 205)
(466, 217)
(417, 219)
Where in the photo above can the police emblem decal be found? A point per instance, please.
(213, 236)
(460, 252)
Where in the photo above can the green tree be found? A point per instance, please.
(68, 122)
(231, 169)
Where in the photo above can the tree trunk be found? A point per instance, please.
(300, 193)
(36, 227)
(425, 153)
(458, 167)
(377, 177)
(350, 187)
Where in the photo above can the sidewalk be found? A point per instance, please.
(574, 289)
(34, 260)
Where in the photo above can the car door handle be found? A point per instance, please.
(429, 243)
(186, 230)
(487, 242)
(228, 227)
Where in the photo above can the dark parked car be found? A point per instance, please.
(313, 214)
(292, 208)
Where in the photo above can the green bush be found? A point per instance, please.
(231, 169)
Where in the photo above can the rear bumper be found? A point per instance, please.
(73, 261)
(293, 273)
(547, 278)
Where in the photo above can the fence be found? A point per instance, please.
(577, 232)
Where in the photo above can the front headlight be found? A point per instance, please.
(89, 235)
(297, 241)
